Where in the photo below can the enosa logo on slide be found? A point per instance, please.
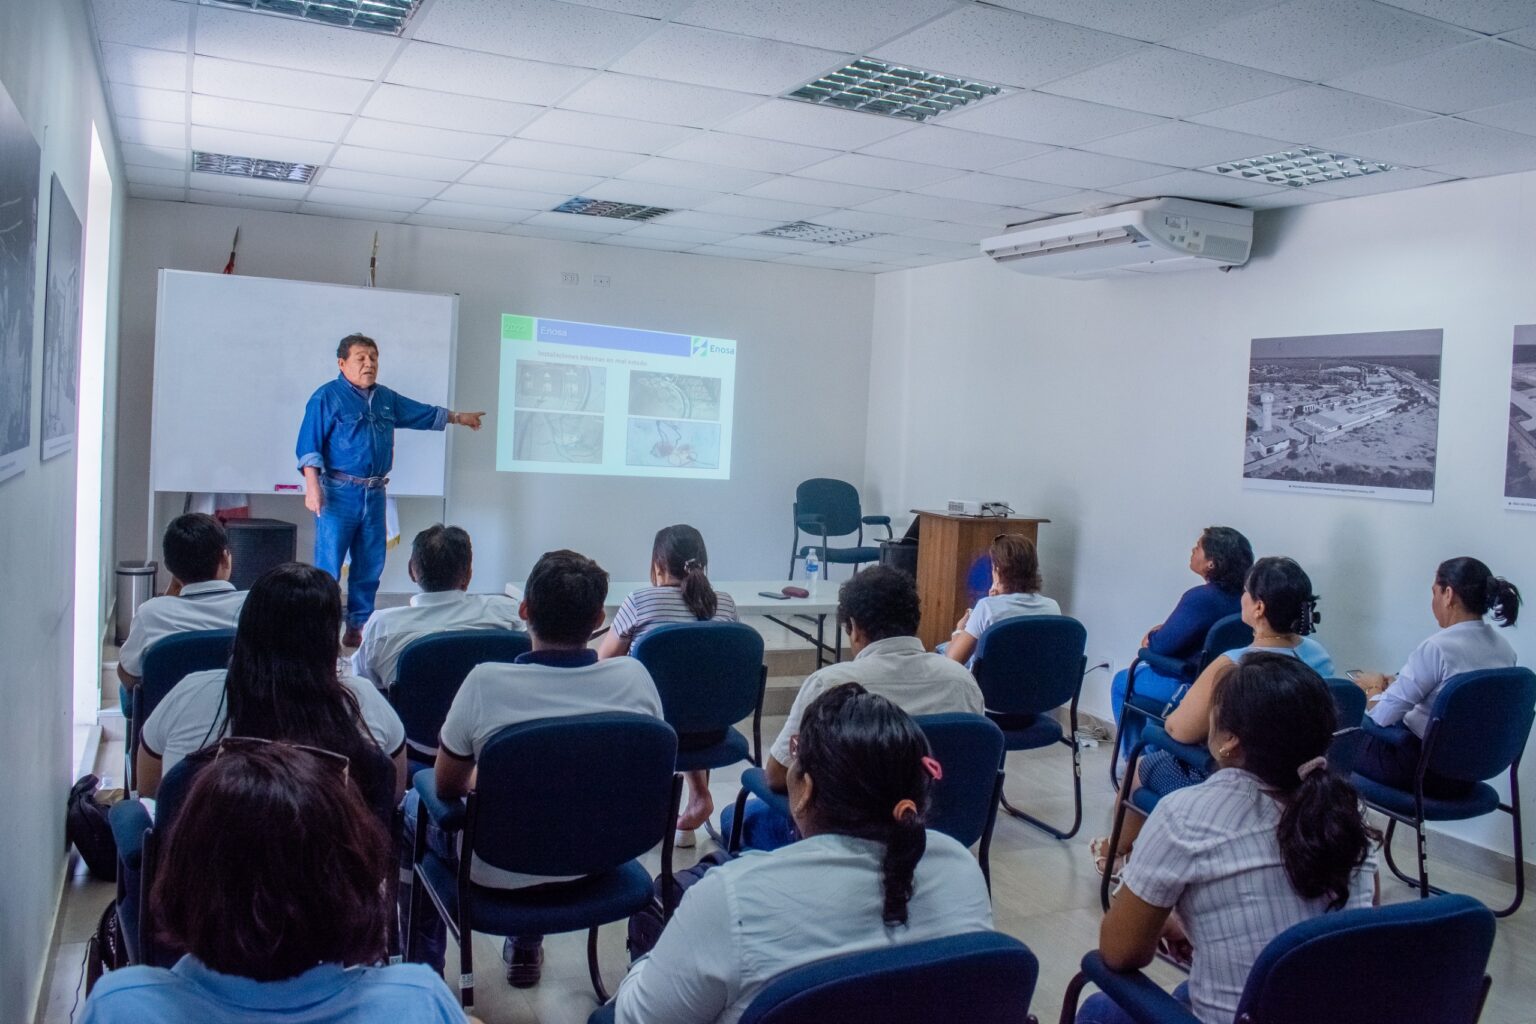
(704, 346)
(700, 347)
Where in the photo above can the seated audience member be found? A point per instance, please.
(282, 684)
(196, 552)
(441, 565)
(1221, 557)
(866, 875)
(1278, 603)
(679, 592)
(1268, 841)
(1464, 591)
(1015, 591)
(563, 605)
(273, 881)
(878, 608)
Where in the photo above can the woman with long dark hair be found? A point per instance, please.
(282, 683)
(1270, 840)
(866, 874)
(1464, 595)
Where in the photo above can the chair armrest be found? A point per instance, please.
(755, 781)
(129, 819)
(1193, 754)
(1139, 996)
(875, 520)
(1163, 665)
(446, 814)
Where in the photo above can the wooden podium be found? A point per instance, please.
(947, 546)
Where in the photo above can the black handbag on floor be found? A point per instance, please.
(85, 825)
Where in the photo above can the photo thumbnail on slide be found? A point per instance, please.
(599, 399)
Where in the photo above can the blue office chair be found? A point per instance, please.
(166, 662)
(1227, 634)
(827, 508)
(1428, 962)
(431, 670)
(1478, 727)
(1027, 666)
(607, 794)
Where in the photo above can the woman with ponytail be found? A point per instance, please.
(1465, 593)
(1272, 839)
(866, 875)
(679, 592)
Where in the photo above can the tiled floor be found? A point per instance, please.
(1044, 892)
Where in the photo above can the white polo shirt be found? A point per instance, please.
(193, 715)
(390, 630)
(1460, 647)
(212, 604)
(898, 669)
(997, 607)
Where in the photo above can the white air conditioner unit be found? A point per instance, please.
(1145, 236)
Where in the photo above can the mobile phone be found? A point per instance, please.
(1353, 673)
(773, 594)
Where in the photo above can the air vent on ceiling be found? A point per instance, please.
(876, 87)
(1300, 167)
(805, 231)
(251, 167)
(608, 208)
(388, 16)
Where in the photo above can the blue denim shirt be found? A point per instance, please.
(352, 431)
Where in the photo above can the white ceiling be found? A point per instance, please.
(486, 114)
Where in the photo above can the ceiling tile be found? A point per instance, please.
(1478, 74)
(910, 204)
(470, 211)
(1519, 116)
(682, 54)
(578, 222)
(517, 199)
(408, 165)
(155, 175)
(1077, 202)
(877, 172)
(388, 184)
(1195, 185)
(844, 25)
(1490, 16)
(530, 179)
(749, 153)
(1167, 82)
(252, 202)
(233, 184)
(817, 261)
(410, 138)
(1432, 143)
(993, 45)
(150, 104)
(454, 223)
(1290, 197)
(770, 243)
(352, 197)
(448, 110)
(1308, 114)
(553, 156)
(1371, 184)
(599, 132)
(970, 233)
(1318, 39)
(471, 73)
(732, 252)
(558, 234)
(155, 156)
(534, 29)
(644, 8)
(1150, 21)
(668, 232)
(812, 124)
(261, 147)
(292, 43)
(1525, 38)
(138, 65)
(764, 209)
(649, 194)
(719, 222)
(137, 191)
(348, 212)
(688, 174)
(992, 188)
(630, 240)
(1081, 170)
(1506, 155)
(651, 99)
(870, 220)
(158, 24)
(893, 243)
(950, 147)
(818, 193)
(267, 119)
(217, 77)
(1042, 117)
(1181, 144)
(151, 133)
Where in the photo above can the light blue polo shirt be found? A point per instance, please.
(191, 993)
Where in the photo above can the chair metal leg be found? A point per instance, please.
(1513, 807)
(734, 846)
(597, 977)
(1077, 794)
(984, 848)
(1073, 994)
(1122, 806)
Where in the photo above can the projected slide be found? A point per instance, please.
(595, 399)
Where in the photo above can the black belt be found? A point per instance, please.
(371, 482)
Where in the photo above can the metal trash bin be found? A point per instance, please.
(135, 585)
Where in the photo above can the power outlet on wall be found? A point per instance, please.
(569, 277)
(601, 280)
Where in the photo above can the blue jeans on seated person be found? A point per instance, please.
(1100, 1009)
(762, 827)
(1150, 685)
(352, 521)
(431, 933)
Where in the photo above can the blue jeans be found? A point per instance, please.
(762, 827)
(1150, 685)
(1100, 1009)
(352, 520)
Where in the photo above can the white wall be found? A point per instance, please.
(800, 372)
(49, 68)
(1116, 408)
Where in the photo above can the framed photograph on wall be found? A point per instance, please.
(1348, 414)
(61, 325)
(1520, 457)
(20, 163)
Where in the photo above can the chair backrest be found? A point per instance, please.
(709, 674)
(1348, 702)
(1427, 957)
(1226, 634)
(969, 748)
(603, 793)
(836, 501)
(979, 978)
(1479, 723)
(1029, 664)
(172, 658)
(433, 667)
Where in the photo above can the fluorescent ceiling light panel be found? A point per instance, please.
(805, 231)
(387, 16)
(251, 167)
(1302, 166)
(877, 87)
(608, 208)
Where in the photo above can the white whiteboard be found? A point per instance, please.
(237, 357)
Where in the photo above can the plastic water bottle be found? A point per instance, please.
(812, 566)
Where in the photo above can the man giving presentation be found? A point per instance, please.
(346, 446)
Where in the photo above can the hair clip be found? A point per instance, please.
(1308, 767)
(933, 768)
(903, 808)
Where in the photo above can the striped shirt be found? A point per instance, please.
(649, 607)
(1211, 853)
